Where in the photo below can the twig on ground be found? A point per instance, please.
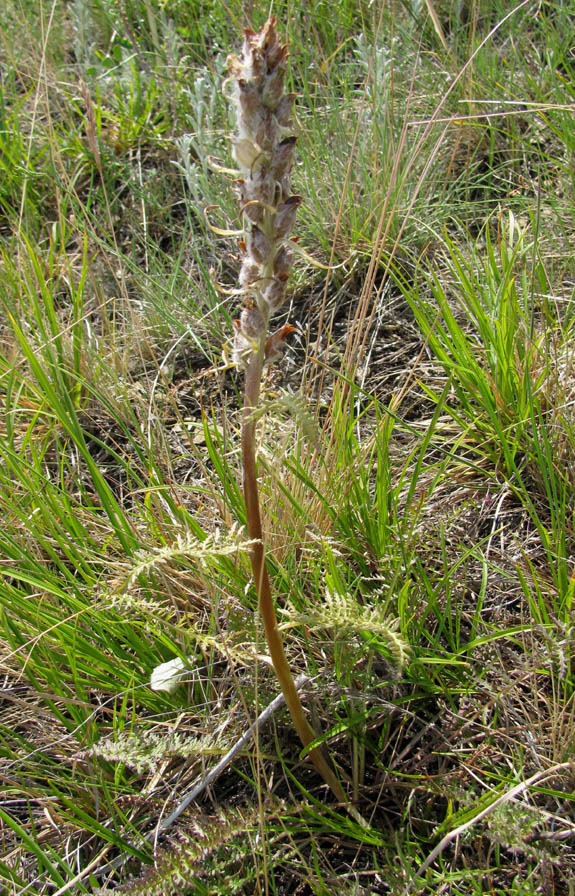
(244, 740)
(500, 801)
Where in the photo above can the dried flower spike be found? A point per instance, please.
(263, 150)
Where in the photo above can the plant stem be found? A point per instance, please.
(263, 588)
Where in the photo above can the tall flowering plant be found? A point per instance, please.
(263, 149)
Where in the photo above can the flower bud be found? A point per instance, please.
(260, 186)
(250, 38)
(259, 64)
(266, 132)
(250, 105)
(267, 40)
(276, 55)
(251, 207)
(236, 66)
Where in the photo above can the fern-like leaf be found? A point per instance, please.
(344, 614)
(214, 856)
(144, 751)
(185, 547)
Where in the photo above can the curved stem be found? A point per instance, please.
(263, 588)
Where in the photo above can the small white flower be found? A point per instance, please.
(167, 676)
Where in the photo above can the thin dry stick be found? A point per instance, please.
(239, 745)
(71, 884)
(263, 149)
(500, 801)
